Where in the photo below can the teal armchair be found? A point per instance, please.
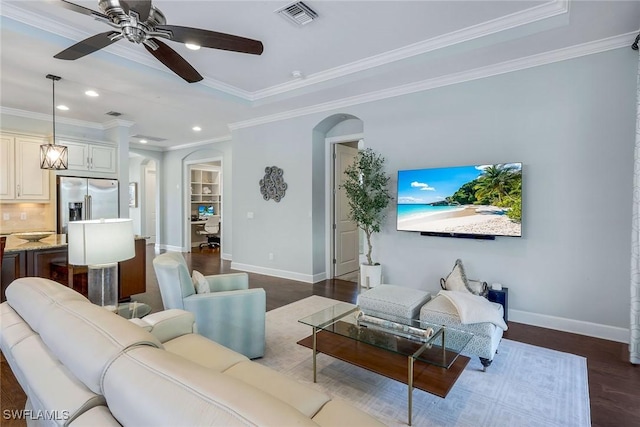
(231, 314)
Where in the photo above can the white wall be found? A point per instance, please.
(570, 123)
(135, 175)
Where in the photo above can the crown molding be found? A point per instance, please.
(49, 118)
(199, 143)
(590, 48)
(144, 147)
(527, 16)
(116, 123)
(516, 19)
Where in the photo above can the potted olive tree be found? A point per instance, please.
(365, 186)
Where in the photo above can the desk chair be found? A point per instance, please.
(211, 230)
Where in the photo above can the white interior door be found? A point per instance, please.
(346, 231)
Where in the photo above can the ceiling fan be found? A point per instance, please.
(140, 22)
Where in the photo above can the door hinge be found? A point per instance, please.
(334, 226)
(334, 260)
(334, 156)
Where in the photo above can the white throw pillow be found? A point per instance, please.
(457, 281)
(200, 282)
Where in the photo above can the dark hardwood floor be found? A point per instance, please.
(614, 383)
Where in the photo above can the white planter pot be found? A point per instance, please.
(370, 275)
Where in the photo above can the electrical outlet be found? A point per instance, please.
(270, 256)
(23, 216)
(249, 215)
(6, 216)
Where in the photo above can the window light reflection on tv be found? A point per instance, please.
(461, 201)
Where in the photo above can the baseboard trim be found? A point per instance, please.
(291, 275)
(580, 327)
(319, 277)
(226, 257)
(170, 248)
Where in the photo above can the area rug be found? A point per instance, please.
(525, 385)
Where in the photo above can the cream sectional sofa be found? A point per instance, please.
(81, 365)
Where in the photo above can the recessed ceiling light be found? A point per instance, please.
(62, 107)
(92, 93)
(192, 46)
(196, 128)
(296, 74)
(143, 141)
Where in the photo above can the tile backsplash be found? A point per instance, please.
(18, 217)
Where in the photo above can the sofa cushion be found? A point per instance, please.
(13, 330)
(303, 398)
(340, 413)
(87, 338)
(33, 297)
(149, 386)
(50, 385)
(204, 352)
(96, 416)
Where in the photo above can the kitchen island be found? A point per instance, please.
(48, 258)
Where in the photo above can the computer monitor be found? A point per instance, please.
(204, 210)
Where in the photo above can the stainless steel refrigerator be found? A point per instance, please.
(86, 198)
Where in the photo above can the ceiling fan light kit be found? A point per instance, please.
(140, 22)
(53, 156)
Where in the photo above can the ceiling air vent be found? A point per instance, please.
(113, 113)
(298, 13)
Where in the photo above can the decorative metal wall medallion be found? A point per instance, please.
(272, 186)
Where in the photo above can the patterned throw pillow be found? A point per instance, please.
(200, 282)
(457, 281)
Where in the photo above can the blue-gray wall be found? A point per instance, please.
(571, 124)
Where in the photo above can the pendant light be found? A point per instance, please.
(53, 156)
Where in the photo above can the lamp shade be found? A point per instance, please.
(99, 242)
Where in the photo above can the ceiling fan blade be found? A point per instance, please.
(212, 39)
(174, 62)
(87, 46)
(141, 7)
(81, 9)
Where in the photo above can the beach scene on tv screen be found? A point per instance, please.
(481, 199)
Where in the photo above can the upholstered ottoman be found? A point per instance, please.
(486, 336)
(392, 300)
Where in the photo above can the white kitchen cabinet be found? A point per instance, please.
(7, 168)
(90, 157)
(21, 178)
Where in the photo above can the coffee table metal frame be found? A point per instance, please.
(325, 320)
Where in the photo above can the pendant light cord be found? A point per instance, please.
(53, 85)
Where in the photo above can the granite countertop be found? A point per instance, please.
(14, 244)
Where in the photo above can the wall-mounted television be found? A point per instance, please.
(479, 201)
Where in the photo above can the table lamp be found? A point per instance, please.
(100, 245)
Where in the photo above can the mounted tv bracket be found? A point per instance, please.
(458, 235)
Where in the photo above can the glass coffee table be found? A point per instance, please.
(421, 355)
(133, 309)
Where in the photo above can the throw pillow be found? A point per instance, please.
(200, 282)
(456, 280)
